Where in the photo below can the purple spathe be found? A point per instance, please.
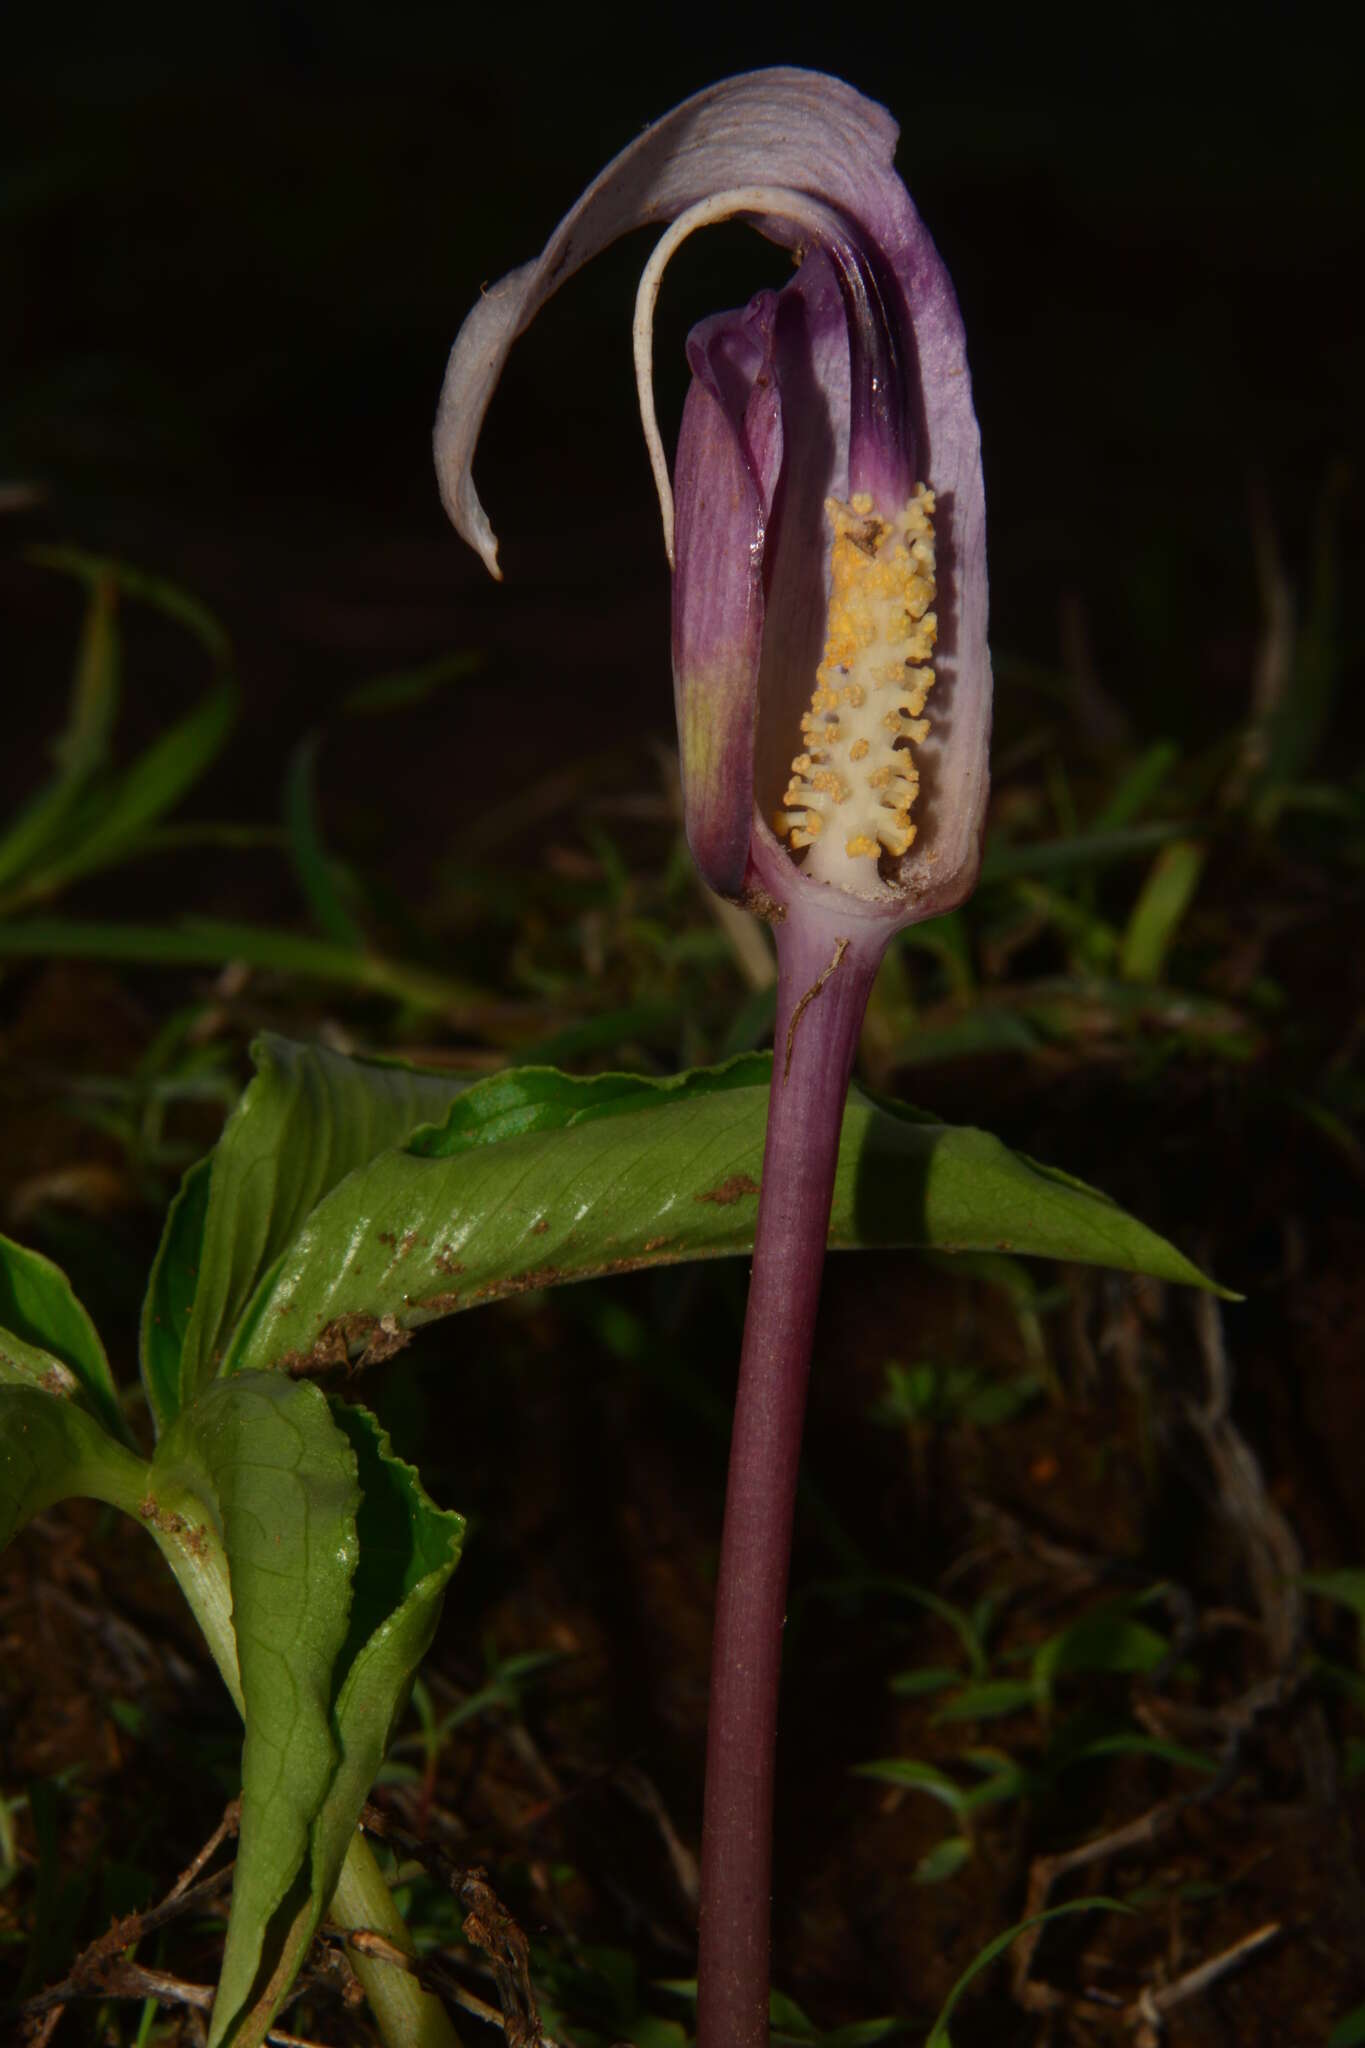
(853, 377)
(787, 408)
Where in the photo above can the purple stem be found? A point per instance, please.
(824, 978)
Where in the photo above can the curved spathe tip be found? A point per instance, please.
(780, 127)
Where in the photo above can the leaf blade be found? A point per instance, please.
(278, 1479)
(82, 748)
(169, 1300)
(150, 787)
(938, 2033)
(408, 1550)
(42, 1323)
(312, 864)
(572, 1179)
(307, 1119)
(51, 1450)
(213, 942)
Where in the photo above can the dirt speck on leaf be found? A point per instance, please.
(440, 1304)
(522, 1283)
(732, 1190)
(172, 1524)
(355, 1340)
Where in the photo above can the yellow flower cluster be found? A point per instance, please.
(853, 784)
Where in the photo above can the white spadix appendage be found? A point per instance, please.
(855, 780)
(760, 202)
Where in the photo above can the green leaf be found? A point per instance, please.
(83, 747)
(925, 1678)
(944, 1860)
(647, 2030)
(790, 2026)
(46, 1337)
(991, 1700)
(1002, 1779)
(1164, 898)
(526, 1100)
(401, 689)
(87, 818)
(51, 1450)
(273, 1514)
(163, 596)
(1145, 780)
(213, 942)
(938, 2033)
(912, 1774)
(1109, 1638)
(1295, 724)
(535, 1178)
(277, 1479)
(1126, 1744)
(82, 750)
(860, 2033)
(786, 2014)
(311, 862)
(970, 1629)
(985, 1030)
(1082, 850)
(308, 1119)
(1350, 2031)
(408, 1549)
(1340, 1678)
(154, 783)
(1346, 1588)
(170, 1294)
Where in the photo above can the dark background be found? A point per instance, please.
(236, 243)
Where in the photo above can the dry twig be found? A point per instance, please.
(1148, 2015)
(487, 1926)
(101, 1970)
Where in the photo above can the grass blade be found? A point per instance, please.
(1164, 898)
(938, 2033)
(311, 862)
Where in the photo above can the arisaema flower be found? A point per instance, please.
(825, 521)
(828, 433)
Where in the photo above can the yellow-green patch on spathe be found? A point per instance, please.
(702, 734)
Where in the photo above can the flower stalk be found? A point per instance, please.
(824, 978)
